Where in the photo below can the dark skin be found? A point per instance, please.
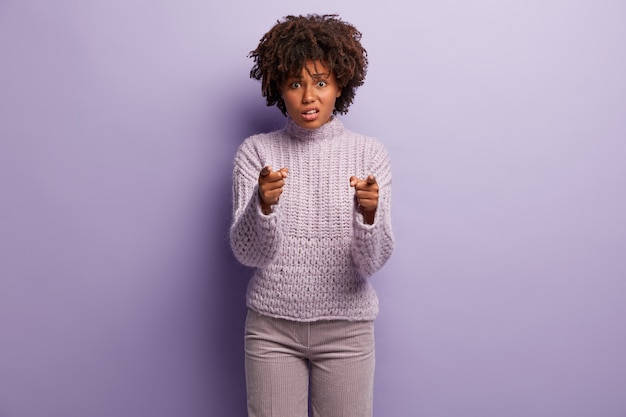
(366, 195)
(271, 185)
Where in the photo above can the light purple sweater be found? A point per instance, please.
(313, 254)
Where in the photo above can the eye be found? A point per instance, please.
(295, 84)
(321, 83)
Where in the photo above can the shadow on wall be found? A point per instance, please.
(226, 307)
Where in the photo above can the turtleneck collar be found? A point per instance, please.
(328, 130)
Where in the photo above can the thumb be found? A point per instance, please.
(371, 179)
(266, 170)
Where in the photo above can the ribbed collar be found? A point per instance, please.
(328, 130)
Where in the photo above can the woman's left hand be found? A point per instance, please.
(366, 196)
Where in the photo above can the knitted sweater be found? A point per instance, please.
(313, 254)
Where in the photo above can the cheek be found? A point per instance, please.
(288, 100)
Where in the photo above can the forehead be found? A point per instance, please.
(315, 69)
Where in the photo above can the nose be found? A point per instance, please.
(308, 95)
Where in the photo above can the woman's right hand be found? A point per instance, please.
(271, 185)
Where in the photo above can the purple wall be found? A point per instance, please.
(506, 122)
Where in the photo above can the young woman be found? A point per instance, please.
(311, 214)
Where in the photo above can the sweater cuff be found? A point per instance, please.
(259, 209)
(359, 221)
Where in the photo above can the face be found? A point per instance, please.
(310, 96)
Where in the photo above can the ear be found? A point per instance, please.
(338, 93)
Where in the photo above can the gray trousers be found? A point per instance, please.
(283, 358)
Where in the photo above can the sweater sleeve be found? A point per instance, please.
(254, 236)
(373, 244)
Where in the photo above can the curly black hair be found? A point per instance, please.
(284, 50)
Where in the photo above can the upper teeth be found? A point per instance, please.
(310, 112)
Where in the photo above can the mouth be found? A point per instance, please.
(310, 114)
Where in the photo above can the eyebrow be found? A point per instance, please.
(316, 75)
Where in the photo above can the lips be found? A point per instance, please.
(310, 114)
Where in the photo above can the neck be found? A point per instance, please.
(326, 131)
